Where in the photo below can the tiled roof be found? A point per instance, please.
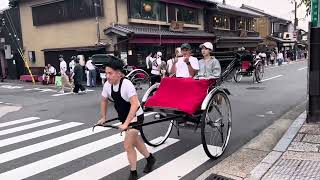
(236, 9)
(147, 30)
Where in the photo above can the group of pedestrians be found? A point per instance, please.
(71, 78)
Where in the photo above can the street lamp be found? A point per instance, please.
(313, 110)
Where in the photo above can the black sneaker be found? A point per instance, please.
(150, 162)
(133, 175)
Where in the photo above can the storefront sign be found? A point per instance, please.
(315, 13)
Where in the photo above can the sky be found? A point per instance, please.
(281, 8)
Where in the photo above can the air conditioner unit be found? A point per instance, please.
(287, 36)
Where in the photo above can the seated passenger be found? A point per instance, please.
(186, 66)
(209, 65)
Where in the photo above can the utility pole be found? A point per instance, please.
(313, 110)
(295, 30)
(96, 6)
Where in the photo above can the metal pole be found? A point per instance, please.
(313, 113)
(295, 31)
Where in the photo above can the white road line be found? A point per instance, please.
(29, 126)
(271, 78)
(62, 158)
(180, 166)
(8, 156)
(36, 134)
(302, 68)
(114, 164)
(18, 121)
(61, 94)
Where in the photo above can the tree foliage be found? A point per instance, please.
(307, 3)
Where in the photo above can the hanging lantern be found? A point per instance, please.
(147, 7)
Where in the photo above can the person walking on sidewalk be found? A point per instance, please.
(64, 77)
(127, 105)
(77, 77)
(92, 73)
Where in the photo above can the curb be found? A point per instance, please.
(259, 171)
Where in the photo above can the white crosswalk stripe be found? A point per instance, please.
(29, 126)
(36, 134)
(19, 121)
(182, 165)
(118, 162)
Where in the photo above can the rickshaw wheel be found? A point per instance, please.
(140, 79)
(155, 136)
(237, 75)
(258, 72)
(216, 125)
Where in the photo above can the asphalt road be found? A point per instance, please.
(59, 143)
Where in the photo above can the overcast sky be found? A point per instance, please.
(281, 8)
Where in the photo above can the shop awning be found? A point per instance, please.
(280, 40)
(236, 42)
(84, 48)
(153, 35)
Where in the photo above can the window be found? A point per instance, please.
(66, 10)
(187, 15)
(146, 9)
(249, 24)
(220, 21)
(240, 24)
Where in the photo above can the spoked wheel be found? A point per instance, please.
(237, 75)
(216, 125)
(140, 79)
(156, 134)
(258, 72)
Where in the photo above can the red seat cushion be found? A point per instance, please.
(245, 65)
(28, 78)
(183, 94)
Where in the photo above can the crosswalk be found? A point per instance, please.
(41, 90)
(53, 133)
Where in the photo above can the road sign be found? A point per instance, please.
(315, 12)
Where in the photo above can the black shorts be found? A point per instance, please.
(140, 120)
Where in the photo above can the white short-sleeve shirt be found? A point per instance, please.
(127, 91)
(182, 67)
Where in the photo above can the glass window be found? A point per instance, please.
(187, 15)
(240, 24)
(146, 9)
(220, 21)
(66, 10)
(249, 24)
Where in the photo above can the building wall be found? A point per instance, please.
(263, 26)
(59, 35)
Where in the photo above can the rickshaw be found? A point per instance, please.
(249, 66)
(188, 103)
(138, 77)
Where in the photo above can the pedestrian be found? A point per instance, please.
(155, 67)
(170, 61)
(52, 74)
(72, 64)
(64, 77)
(187, 65)
(209, 66)
(272, 58)
(127, 105)
(46, 75)
(77, 77)
(280, 58)
(92, 73)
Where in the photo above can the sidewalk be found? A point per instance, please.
(295, 155)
